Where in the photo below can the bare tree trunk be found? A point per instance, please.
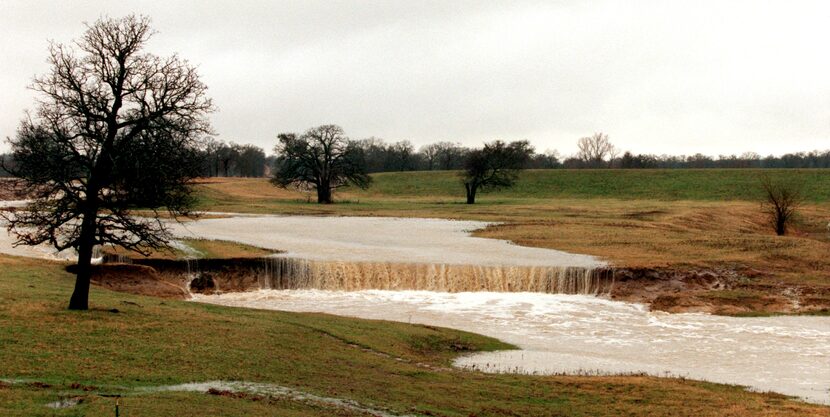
(781, 224)
(471, 193)
(80, 295)
(324, 194)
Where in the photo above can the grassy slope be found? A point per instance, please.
(649, 184)
(204, 248)
(154, 342)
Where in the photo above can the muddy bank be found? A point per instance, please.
(138, 279)
(729, 291)
(669, 289)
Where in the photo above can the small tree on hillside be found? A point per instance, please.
(496, 165)
(781, 201)
(322, 158)
(115, 129)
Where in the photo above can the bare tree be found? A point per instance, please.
(115, 129)
(495, 166)
(400, 156)
(322, 158)
(450, 155)
(593, 150)
(430, 154)
(781, 201)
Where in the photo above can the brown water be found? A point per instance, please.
(280, 272)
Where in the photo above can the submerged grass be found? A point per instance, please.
(392, 366)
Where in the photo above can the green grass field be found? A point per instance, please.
(54, 354)
(651, 184)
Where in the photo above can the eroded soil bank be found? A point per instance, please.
(726, 291)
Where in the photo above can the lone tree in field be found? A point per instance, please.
(495, 166)
(781, 201)
(593, 150)
(322, 158)
(115, 129)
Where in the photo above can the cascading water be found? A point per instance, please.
(100, 256)
(280, 272)
(291, 273)
(192, 268)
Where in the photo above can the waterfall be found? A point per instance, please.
(279, 272)
(292, 273)
(99, 256)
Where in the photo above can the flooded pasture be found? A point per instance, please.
(378, 239)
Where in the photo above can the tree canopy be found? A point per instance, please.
(494, 166)
(115, 129)
(322, 158)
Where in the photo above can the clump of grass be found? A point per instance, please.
(209, 248)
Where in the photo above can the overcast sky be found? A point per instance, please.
(658, 76)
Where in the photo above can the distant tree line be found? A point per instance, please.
(217, 159)
(229, 159)
(440, 156)
(594, 152)
(814, 159)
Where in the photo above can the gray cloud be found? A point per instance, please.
(658, 76)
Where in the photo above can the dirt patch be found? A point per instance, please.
(233, 394)
(136, 279)
(212, 275)
(81, 387)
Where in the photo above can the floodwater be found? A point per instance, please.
(580, 334)
(357, 239)
(379, 239)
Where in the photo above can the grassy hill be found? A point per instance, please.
(126, 345)
(653, 184)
